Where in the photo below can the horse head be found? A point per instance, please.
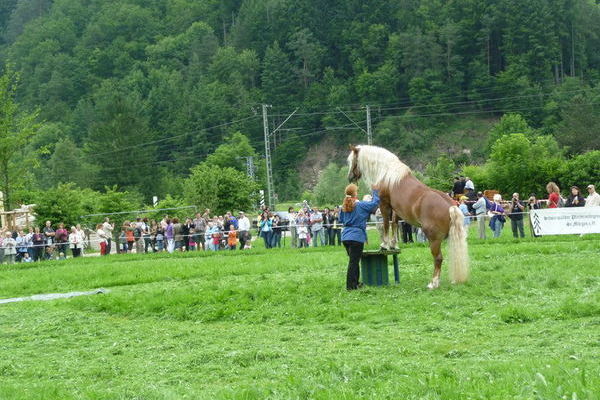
(354, 173)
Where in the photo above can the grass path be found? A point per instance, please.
(278, 324)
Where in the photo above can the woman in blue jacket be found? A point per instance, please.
(354, 217)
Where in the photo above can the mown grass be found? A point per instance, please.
(279, 324)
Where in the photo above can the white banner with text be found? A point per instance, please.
(565, 221)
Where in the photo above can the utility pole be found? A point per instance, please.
(369, 132)
(270, 186)
(250, 167)
(270, 194)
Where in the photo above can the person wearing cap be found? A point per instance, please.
(515, 213)
(497, 221)
(480, 208)
(457, 188)
(243, 229)
(593, 199)
(469, 184)
(575, 199)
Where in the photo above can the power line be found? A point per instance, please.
(380, 107)
(408, 100)
(176, 136)
(473, 112)
(337, 111)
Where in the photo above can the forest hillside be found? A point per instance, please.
(131, 94)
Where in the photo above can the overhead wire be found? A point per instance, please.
(337, 111)
(177, 136)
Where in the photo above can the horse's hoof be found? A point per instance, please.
(434, 284)
(383, 247)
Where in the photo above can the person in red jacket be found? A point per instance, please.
(553, 195)
(62, 238)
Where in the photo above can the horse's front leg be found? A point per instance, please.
(394, 233)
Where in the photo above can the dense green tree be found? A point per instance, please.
(579, 128)
(331, 185)
(439, 174)
(69, 164)
(16, 130)
(233, 153)
(308, 53)
(523, 164)
(276, 78)
(24, 11)
(582, 170)
(114, 140)
(220, 189)
(64, 203)
(6, 10)
(187, 68)
(509, 124)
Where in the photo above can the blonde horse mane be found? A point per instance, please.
(379, 166)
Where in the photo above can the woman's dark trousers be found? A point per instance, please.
(354, 250)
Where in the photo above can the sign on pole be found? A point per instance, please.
(565, 221)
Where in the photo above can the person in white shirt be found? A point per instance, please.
(101, 239)
(243, 228)
(108, 228)
(480, 208)
(593, 199)
(10, 248)
(469, 184)
(75, 242)
(292, 227)
(81, 233)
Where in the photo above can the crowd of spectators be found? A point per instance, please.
(306, 227)
(37, 245)
(475, 205)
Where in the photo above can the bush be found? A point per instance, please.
(220, 189)
(479, 175)
(582, 170)
(524, 165)
(439, 174)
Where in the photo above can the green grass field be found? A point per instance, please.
(279, 325)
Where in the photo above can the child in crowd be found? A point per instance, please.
(49, 253)
(26, 258)
(160, 239)
(232, 238)
(61, 256)
(130, 235)
(192, 241)
(122, 241)
(302, 235)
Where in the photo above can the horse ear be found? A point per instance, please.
(354, 149)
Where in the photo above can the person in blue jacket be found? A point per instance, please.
(354, 217)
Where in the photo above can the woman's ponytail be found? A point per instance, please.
(350, 199)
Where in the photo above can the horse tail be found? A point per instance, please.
(457, 246)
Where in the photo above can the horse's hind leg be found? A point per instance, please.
(435, 245)
(386, 214)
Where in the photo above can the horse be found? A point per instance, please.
(404, 196)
